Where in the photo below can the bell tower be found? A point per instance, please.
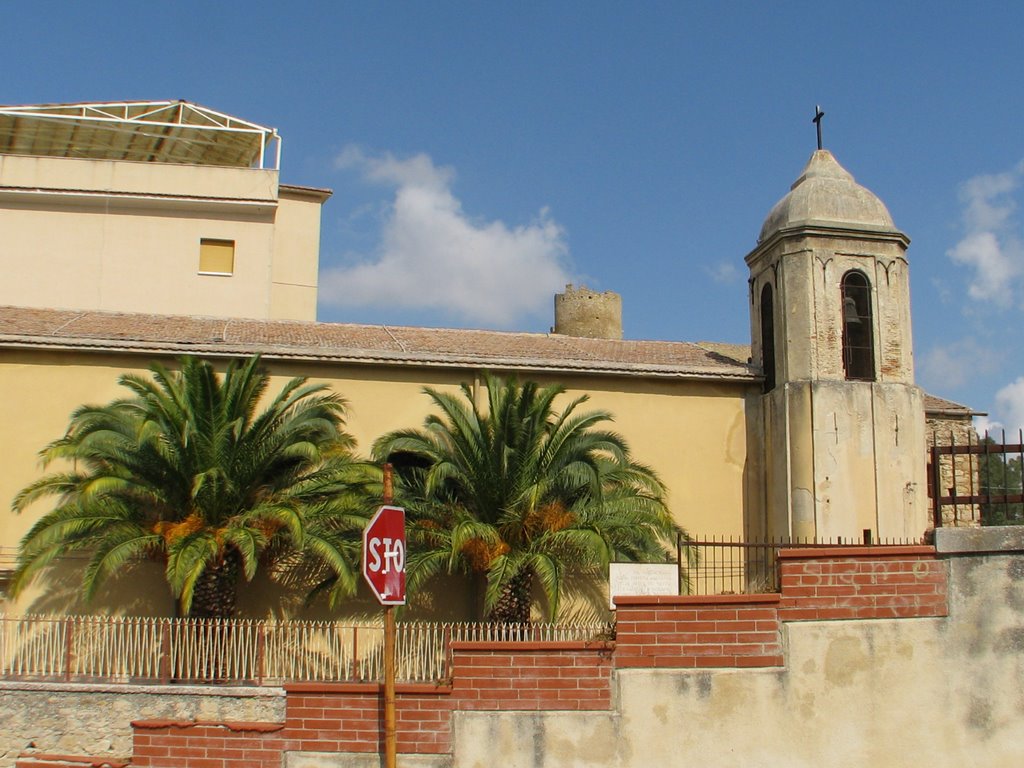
(843, 422)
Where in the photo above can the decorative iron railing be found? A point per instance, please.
(156, 650)
(977, 481)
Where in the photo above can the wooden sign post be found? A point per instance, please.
(384, 571)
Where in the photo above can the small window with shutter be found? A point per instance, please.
(216, 257)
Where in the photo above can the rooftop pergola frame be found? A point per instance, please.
(140, 131)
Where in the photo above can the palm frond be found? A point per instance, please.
(192, 451)
(523, 487)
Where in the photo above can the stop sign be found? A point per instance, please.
(384, 555)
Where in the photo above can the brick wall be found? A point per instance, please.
(170, 744)
(744, 630)
(716, 631)
(862, 583)
(713, 631)
(347, 717)
(532, 676)
(333, 717)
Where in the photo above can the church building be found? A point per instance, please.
(135, 232)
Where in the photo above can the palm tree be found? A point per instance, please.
(186, 471)
(517, 494)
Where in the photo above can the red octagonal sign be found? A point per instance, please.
(384, 555)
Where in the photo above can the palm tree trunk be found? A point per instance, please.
(216, 591)
(513, 607)
(213, 604)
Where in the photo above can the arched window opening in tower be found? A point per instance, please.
(767, 338)
(858, 328)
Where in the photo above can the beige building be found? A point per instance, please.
(816, 431)
(152, 207)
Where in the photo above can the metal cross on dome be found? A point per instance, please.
(818, 114)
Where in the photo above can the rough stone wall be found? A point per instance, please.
(958, 475)
(586, 313)
(95, 720)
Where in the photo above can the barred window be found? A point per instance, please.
(858, 328)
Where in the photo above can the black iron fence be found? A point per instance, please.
(976, 481)
(725, 566)
(715, 566)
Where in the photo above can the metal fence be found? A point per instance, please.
(155, 650)
(719, 566)
(976, 482)
(726, 566)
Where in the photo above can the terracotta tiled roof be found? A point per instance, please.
(738, 352)
(69, 329)
(938, 405)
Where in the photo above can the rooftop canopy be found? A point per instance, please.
(142, 131)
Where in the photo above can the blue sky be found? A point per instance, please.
(484, 154)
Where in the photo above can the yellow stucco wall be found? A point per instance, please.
(694, 434)
(123, 236)
(296, 257)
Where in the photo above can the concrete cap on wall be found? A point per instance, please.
(827, 195)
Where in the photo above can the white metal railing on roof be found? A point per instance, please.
(151, 650)
(186, 130)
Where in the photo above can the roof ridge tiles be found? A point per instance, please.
(360, 343)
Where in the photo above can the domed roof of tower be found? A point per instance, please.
(827, 195)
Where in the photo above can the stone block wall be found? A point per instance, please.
(96, 719)
(589, 314)
(957, 475)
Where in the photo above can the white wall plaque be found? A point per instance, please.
(635, 579)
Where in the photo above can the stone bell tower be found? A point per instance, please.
(830, 319)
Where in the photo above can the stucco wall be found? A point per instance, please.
(296, 257)
(125, 236)
(693, 433)
(96, 719)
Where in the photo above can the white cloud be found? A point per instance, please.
(724, 272)
(992, 244)
(1009, 410)
(433, 256)
(952, 366)
(985, 425)
(996, 269)
(987, 206)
